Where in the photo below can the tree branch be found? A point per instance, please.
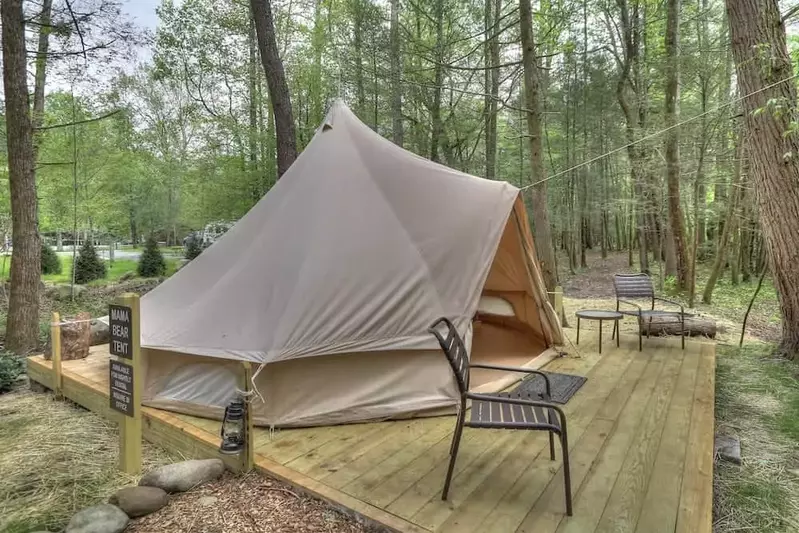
(77, 122)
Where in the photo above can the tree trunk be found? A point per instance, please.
(252, 134)
(672, 147)
(41, 72)
(22, 328)
(396, 83)
(543, 235)
(276, 83)
(724, 237)
(756, 25)
(492, 12)
(435, 110)
(357, 43)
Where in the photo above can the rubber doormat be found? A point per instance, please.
(564, 386)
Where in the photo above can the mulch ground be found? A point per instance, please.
(250, 503)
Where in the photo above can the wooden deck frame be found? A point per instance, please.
(641, 442)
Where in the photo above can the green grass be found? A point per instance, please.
(757, 399)
(115, 270)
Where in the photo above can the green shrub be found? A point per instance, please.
(193, 248)
(11, 367)
(51, 263)
(88, 265)
(151, 262)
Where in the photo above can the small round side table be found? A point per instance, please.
(600, 315)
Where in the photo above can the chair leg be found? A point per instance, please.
(615, 325)
(551, 446)
(682, 331)
(456, 441)
(640, 335)
(567, 482)
(458, 425)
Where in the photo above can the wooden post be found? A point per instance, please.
(559, 301)
(130, 433)
(55, 345)
(248, 455)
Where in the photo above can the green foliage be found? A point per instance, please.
(151, 262)
(193, 248)
(11, 367)
(88, 265)
(51, 263)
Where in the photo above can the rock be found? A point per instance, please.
(75, 338)
(63, 291)
(130, 274)
(139, 501)
(104, 518)
(180, 477)
(728, 447)
(100, 333)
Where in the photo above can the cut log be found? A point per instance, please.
(695, 326)
(75, 338)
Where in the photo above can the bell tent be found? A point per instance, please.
(328, 284)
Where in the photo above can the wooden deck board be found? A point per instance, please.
(626, 498)
(594, 494)
(696, 499)
(640, 439)
(659, 512)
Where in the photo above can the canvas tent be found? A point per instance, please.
(331, 280)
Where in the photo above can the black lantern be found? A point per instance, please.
(233, 428)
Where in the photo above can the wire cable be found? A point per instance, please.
(660, 132)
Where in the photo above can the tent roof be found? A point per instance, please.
(359, 246)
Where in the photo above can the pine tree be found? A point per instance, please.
(51, 263)
(88, 265)
(151, 262)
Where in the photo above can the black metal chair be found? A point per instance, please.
(639, 287)
(504, 410)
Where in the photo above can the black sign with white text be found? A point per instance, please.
(121, 325)
(121, 392)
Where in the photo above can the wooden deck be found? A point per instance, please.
(640, 434)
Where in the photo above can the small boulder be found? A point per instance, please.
(63, 291)
(180, 477)
(104, 518)
(100, 333)
(139, 501)
(728, 447)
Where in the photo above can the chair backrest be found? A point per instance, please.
(630, 286)
(455, 350)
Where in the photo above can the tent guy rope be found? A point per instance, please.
(660, 132)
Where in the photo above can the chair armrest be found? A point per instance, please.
(630, 303)
(672, 302)
(520, 401)
(516, 369)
